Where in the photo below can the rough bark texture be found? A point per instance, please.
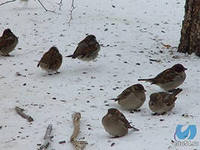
(190, 33)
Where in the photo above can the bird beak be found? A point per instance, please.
(144, 90)
(185, 68)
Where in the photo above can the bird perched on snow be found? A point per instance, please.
(51, 60)
(132, 98)
(163, 102)
(116, 124)
(87, 49)
(170, 78)
(8, 42)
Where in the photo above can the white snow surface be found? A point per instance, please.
(131, 32)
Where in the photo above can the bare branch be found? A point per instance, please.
(71, 12)
(7, 2)
(78, 145)
(156, 60)
(20, 111)
(45, 7)
(60, 4)
(47, 138)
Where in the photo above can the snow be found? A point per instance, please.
(131, 32)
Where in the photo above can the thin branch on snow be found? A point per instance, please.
(45, 7)
(71, 12)
(47, 138)
(78, 145)
(20, 111)
(7, 2)
(60, 4)
(156, 60)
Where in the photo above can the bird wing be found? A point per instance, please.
(123, 119)
(125, 93)
(168, 99)
(85, 48)
(81, 49)
(165, 76)
(55, 60)
(45, 59)
(6, 42)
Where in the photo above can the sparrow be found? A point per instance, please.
(8, 42)
(132, 98)
(116, 124)
(87, 49)
(51, 60)
(170, 78)
(162, 102)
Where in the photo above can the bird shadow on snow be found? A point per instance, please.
(83, 69)
(142, 111)
(65, 72)
(25, 7)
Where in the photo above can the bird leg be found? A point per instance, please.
(57, 72)
(155, 114)
(135, 110)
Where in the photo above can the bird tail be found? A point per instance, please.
(147, 80)
(114, 99)
(71, 56)
(135, 129)
(176, 91)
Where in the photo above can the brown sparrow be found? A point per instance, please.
(8, 42)
(51, 60)
(132, 98)
(162, 102)
(170, 78)
(87, 49)
(115, 123)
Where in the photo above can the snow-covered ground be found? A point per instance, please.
(131, 32)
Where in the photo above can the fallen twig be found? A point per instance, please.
(71, 12)
(20, 111)
(155, 60)
(78, 145)
(45, 7)
(7, 2)
(166, 45)
(60, 4)
(47, 138)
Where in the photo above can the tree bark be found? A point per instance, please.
(190, 33)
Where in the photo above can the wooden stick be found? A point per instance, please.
(155, 60)
(71, 12)
(7, 2)
(47, 138)
(78, 145)
(60, 4)
(20, 111)
(45, 7)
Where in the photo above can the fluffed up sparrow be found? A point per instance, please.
(162, 102)
(170, 78)
(8, 42)
(116, 124)
(132, 98)
(51, 60)
(87, 49)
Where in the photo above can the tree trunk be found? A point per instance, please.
(190, 33)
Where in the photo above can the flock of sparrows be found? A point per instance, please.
(131, 99)
(134, 97)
